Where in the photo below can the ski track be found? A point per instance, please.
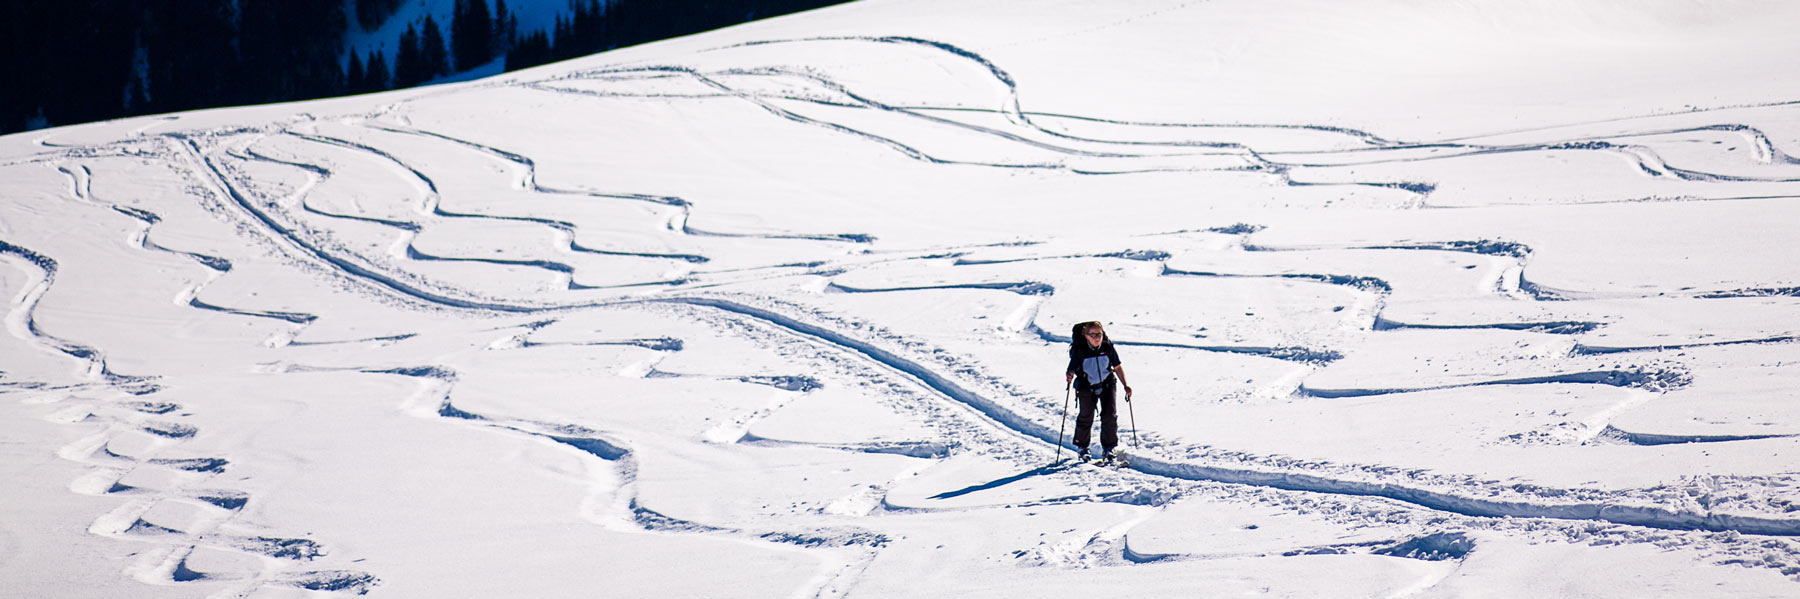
(625, 513)
(219, 267)
(1644, 156)
(23, 324)
(1016, 421)
(182, 493)
(130, 411)
(1417, 494)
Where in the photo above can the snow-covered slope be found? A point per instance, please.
(1418, 299)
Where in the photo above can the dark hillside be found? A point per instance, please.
(77, 61)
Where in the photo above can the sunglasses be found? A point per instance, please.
(1096, 334)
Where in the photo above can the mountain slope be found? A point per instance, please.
(1423, 301)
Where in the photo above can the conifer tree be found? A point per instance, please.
(409, 64)
(471, 34)
(506, 28)
(561, 44)
(376, 72)
(355, 81)
(434, 56)
(529, 51)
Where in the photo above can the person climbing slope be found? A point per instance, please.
(1095, 371)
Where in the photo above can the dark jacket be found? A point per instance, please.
(1093, 367)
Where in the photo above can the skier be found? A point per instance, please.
(1093, 360)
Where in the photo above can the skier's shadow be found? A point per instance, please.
(1039, 471)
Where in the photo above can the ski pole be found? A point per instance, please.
(1133, 411)
(1063, 420)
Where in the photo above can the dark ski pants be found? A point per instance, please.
(1103, 396)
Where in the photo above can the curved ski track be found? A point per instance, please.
(1011, 414)
(171, 506)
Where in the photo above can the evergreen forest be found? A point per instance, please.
(76, 61)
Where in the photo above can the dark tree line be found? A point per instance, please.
(74, 61)
(593, 26)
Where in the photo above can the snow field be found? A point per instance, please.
(779, 310)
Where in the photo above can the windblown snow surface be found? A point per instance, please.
(1419, 299)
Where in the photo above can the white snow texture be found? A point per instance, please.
(1472, 298)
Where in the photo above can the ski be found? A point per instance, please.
(1114, 461)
